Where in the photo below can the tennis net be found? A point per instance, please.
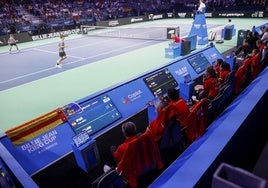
(146, 33)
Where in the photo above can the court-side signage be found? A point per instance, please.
(239, 14)
(220, 14)
(42, 150)
(55, 34)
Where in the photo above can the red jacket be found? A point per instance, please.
(197, 120)
(119, 153)
(211, 87)
(157, 126)
(255, 66)
(240, 78)
(182, 110)
(141, 156)
(223, 75)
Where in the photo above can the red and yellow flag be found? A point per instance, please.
(35, 127)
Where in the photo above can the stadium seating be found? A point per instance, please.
(172, 143)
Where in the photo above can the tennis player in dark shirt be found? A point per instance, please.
(62, 53)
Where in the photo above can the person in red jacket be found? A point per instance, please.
(165, 114)
(130, 134)
(182, 110)
(224, 71)
(217, 66)
(211, 84)
(256, 65)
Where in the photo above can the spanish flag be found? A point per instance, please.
(35, 127)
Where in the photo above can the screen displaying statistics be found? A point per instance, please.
(96, 114)
(199, 62)
(160, 82)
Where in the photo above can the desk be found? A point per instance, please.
(173, 51)
(86, 155)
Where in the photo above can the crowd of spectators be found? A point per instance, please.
(41, 13)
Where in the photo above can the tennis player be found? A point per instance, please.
(62, 53)
(12, 42)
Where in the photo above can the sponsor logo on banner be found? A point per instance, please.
(181, 71)
(197, 26)
(205, 38)
(208, 14)
(113, 23)
(169, 14)
(213, 57)
(182, 14)
(41, 144)
(132, 97)
(55, 34)
(159, 16)
(133, 20)
(257, 14)
(235, 14)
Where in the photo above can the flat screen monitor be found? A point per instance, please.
(199, 62)
(97, 113)
(160, 82)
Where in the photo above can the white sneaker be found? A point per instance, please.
(106, 168)
(58, 66)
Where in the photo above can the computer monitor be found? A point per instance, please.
(97, 113)
(160, 82)
(199, 63)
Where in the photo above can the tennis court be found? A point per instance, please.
(31, 85)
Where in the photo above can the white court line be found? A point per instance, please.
(101, 54)
(26, 75)
(52, 52)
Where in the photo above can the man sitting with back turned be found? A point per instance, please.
(182, 110)
(129, 132)
(165, 115)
